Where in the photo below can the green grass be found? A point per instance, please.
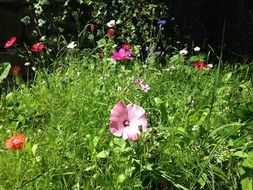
(65, 116)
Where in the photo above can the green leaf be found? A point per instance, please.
(240, 154)
(162, 107)
(227, 77)
(99, 178)
(219, 172)
(246, 179)
(4, 70)
(21, 119)
(176, 59)
(103, 154)
(245, 112)
(200, 57)
(121, 178)
(202, 180)
(248, 162)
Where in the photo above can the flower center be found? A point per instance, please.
(126, 123)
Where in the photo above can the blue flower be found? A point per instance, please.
(161, 22)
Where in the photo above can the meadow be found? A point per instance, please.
(119, 106)
(198, 135)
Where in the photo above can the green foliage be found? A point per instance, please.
(136, 21)
(4, 70)
(64, 115)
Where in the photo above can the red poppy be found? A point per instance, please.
(16, 142)
(126, 47)
(92, 27)
(200, 65)
(10, 42)
(110, 32)
(16, 69)
(38, 47)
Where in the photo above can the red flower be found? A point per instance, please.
(110, 32)
(10, 42)
(16, 69)
(92, 27)
(126, 47)
(200, 65)
(38, 47)
(16, 142)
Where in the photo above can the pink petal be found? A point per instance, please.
(135, 112)
(131, 133)
(141, 123)
(122, 51)
(119, 114)
(137, 117)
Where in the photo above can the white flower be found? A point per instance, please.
(194, 128)
(210, 65)
(71, 45)
(27, 63)
(119, 88)
(197, 48)
(34, 68)
(183, 52)
(111, 23)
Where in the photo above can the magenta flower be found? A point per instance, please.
(128, 121)
(122, 54)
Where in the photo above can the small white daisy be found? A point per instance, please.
(27, 63)
(194, 128)
(183, 52)
(71, 45)
(196, 48)
(111, 23)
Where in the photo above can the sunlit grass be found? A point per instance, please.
(65, 116)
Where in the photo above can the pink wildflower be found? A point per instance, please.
(141, 85)
(145, 87)
(128, 121)
(122, 55)
(138, 81)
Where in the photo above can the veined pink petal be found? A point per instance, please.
(141, 124)
(135, 112)
(119, 115)
(131, 133)
(137, 117)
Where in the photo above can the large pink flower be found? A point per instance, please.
(128, 121)
(122, 54)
